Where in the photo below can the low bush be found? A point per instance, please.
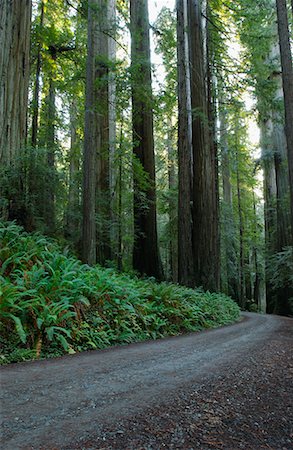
(51, 303)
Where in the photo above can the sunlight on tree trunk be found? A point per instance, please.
(15, 22)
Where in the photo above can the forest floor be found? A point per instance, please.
(229, 388)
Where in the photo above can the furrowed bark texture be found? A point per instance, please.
(35, 103)
(270, 198)
(146, 258)
(186, 275)
(212, 118)
(112, 123)
(173, 210)
(72, 216)
(49, 210)
(231, 285)
(92, 142)
(103, 152)
(205, 241)
(96, 185)
(15, 21)
(287, 76)
(241, 239)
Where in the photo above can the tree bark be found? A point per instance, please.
(119, 218)
(146, 258)
(35, 103)
(49, 207)
(228, 235)
(15, 22)
(92, 142)
(287, 76)
(205, 242)
(212, 118)
(112, 120)
(72, 217)
(172, 207)
(257, 271)
(241, 240)
(96, 186)
(283, 236)
(186, 275)
(270, 198)
(103, 117)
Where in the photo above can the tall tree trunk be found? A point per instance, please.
(103, 115)
(212, 118)
(35, 103)
(283, 236)
(119, 231)
(241, 239)
(270, 196)
(72, 217)
(15, 22)
(278, 233)
(205, 242)
(92, 141)
(228, 237)
(49, 207)
(146, 258)
(287, 76)
(257, 278)
(186, 275)
(172, 207)
(112, 119)
(96, 178)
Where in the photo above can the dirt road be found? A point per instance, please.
(227, 388)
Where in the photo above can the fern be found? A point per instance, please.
(55, 304)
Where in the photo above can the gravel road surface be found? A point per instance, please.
(227, 388)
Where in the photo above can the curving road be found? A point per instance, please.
(60, 403)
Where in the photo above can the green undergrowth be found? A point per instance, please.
(53, 304)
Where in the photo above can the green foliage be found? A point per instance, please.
(51, 303)
(280, 268)
(166, 135)
(24, 187)
(280, 273)
(39, 293)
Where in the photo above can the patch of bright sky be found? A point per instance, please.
(155, 7)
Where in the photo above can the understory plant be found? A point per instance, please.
(51, 303)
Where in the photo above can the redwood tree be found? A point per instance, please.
(96, 183)
(146, 258)
(15, 22)
(205, 210)
(36, 92)
(92, 140)
(287, 76)
(186, 275)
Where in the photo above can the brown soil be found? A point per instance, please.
(229, 388)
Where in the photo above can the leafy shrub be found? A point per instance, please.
(281, 268)
(280, 274)
(51, 302)
(24, 186)
(38, 289)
